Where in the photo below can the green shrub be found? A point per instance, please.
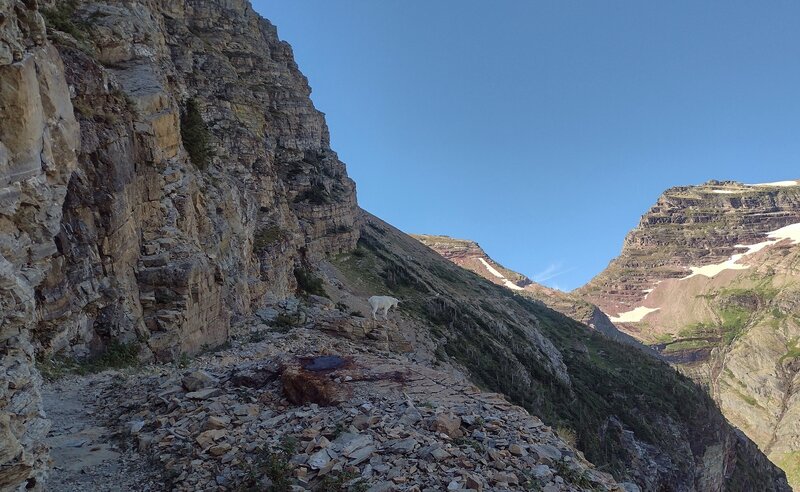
(257, 336)
(285, 321)
(116, 356)
(268, 236)
(308, 283)
(60, 19)
(572, 475)
(338, 482)
(567, 435)
(274, 466)
(195, 135)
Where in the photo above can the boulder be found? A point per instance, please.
(447, 424)
(198, 380)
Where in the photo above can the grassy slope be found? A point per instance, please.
(498, 336)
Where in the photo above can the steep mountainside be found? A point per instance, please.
(630, 412)
(710, 278)
(468, 254)
(167, 189)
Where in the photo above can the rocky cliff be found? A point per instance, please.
(39, 141)
(709, 278)
(468, 254)
(167, 187)
(154, 246)
(110, 233)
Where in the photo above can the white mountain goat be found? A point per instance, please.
(382, 302)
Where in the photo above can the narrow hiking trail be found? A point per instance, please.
(86, 455)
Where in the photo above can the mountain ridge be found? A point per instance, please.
(468, 254)
(709, 279)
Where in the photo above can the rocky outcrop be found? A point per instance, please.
(153, 247)
(690, 226)
(718, 289)
(38, 143)
(109, 231)
(402, 425)
(469, 254)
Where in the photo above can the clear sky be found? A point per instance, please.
(545, 129)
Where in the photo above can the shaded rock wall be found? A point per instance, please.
(154, 248)
(38, 141)
(109, 231)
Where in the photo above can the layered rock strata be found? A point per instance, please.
(38, 143)
(709, 278)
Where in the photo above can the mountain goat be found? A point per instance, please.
(382, 302)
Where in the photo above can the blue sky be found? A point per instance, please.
(544, 130)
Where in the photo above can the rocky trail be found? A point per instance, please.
(86, 455)
(300, 411)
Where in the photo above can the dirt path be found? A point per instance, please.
(85, 456)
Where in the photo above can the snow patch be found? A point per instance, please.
(491, 269)
(511, 285)
(633, 316)
(776, 183)
(791, 232)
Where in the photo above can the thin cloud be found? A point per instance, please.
(552, 271)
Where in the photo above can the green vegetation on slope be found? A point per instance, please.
(60, 18)
(790, 463)
(792, 350)
(489, 330)
(736, 309)
(116, 356)
(263, 238)
(308, 283)
(195, 135)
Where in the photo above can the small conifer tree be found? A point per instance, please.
(195, 135)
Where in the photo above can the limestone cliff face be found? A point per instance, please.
(468, 254)
(153, 248)
(714, 271)
(109, 232)
(690, 226)
(38, 144)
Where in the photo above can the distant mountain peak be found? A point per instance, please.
(711, 278)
